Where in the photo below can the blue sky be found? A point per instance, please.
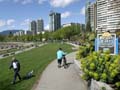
(16, 14)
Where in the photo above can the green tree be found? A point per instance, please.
(88, 27)
(2, 38)
(46, 35)
(10, 34)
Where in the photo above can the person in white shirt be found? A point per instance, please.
(16, 67)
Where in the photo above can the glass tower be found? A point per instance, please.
(90, 14)
(54, 21)
(40, 25)
(33, 27)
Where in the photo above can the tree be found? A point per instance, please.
(46, 35)
(40, 37)
(88, 27)
(10, 34)
(2, 38)
(66, 32)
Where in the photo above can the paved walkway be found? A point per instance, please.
(54, 78)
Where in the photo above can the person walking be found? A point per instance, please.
(60, 55)
(16, 67)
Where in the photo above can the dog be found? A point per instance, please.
(29, 75)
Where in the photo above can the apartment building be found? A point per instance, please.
(108, 15)
(91, 14)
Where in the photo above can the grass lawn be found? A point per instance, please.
(36, 59)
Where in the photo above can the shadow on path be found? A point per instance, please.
(67, 65)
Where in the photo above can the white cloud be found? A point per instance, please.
(47, 27)
(82, 11)
(25, 22)
(65, 14)
(2, 23)
(61, 3)
(24, 2)
(41, 1)
(9, 22)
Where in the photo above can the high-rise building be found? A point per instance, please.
(91, 14)
(108, 15)
(87, 12)
(33, 27)
(40, 25)
(54, 21)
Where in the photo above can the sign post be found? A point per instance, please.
(107, 41)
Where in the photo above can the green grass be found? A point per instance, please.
(36, 59)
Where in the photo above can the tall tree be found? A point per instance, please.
(88, 27)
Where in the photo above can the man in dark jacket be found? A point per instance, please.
(16, 67)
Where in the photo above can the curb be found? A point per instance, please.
(78, 67)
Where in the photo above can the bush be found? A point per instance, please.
(102, 67)
(84, 51)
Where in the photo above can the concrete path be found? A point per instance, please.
(54, 78)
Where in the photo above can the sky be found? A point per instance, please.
(17, 14)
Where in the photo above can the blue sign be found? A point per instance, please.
(104, 43)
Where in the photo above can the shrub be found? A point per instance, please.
(102, 67)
